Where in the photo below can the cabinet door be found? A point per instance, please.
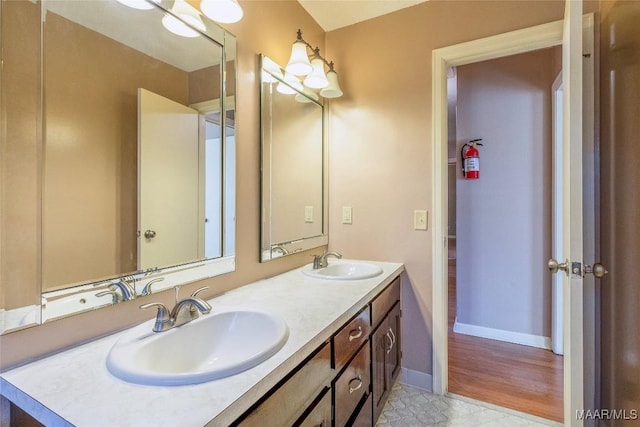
(380, 344)
(395, 353)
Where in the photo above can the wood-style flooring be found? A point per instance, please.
(514, 376)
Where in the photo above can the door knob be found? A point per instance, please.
(149, 234)
(598, 270)
(554, 266)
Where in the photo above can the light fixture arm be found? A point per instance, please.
(316, 50)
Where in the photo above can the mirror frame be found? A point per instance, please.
(269, 250)
(55, 304)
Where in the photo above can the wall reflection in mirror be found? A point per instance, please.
(118, 155)
(293, 165)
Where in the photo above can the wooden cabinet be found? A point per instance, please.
(351, 387)
(386, 351)
(347, 381)
(289, 402)
(320, 414)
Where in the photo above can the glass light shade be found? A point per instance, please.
(333, 89)
(224, 11)
(292, 86)
(138, 4)
(299, 64)
(188, 14)
(316, 79)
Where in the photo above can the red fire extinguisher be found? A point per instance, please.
(471, 159)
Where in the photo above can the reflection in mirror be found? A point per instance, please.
(293, 165)
(118, 166)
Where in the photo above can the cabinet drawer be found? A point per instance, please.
(364, 418)
(351, 386)
(289, 401)
(385, 301)
(320, 415)
(350, 338)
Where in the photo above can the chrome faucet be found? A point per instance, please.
(183, 312)
(320, 261)
(127, 291)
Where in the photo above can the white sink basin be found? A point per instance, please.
(215, 345)
(343, 270)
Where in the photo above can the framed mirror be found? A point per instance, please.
(118, 154)
(294, 169)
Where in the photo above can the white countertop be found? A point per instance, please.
(75, 388)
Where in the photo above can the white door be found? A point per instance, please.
(168, 181)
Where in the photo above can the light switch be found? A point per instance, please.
(346, 215)
(420, 219)
(308, 214)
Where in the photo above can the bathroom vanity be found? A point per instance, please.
(336, 367)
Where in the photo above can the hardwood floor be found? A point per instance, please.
(514, 376)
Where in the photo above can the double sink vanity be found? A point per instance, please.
(317, 345)
(289, 350)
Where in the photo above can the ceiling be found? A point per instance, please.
(334, 14)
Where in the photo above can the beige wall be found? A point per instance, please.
(20, 177)
(267, 27)
(381, 137)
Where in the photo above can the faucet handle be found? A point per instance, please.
(197, 291)
(116, 297)
(147, 288)
(163, 319)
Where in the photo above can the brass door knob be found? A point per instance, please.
(554, 266)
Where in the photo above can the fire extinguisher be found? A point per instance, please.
(471, 159)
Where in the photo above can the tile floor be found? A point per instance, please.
(412, 407)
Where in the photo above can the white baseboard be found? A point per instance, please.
(502, 335)
(416, 379)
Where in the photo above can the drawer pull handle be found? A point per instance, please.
(393, 337)
(357, 387)
(390, 342)
(355, 334)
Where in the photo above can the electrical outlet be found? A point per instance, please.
(347, 215)
(420, 220)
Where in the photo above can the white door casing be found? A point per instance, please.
(557, 330)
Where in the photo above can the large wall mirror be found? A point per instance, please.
(294, 197)
(118, 154)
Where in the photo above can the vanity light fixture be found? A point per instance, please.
(223, 11)
(188, 14)
(300, 65)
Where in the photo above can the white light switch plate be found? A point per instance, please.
(347, 215)
(420, 220)
(308, 214)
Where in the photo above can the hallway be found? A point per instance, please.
(514, 376)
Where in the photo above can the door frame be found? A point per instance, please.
(512, 43)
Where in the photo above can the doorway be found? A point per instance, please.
(500, 299)
(579, 307)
